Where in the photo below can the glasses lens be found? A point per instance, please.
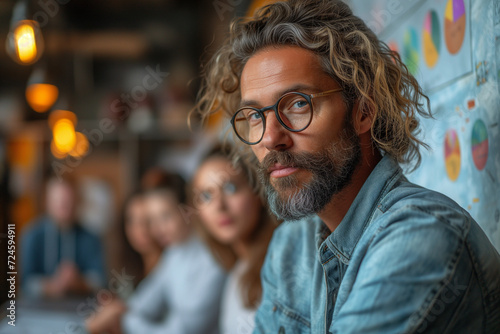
(295, 111)
(249, 125)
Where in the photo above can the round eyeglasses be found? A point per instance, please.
(293, 110)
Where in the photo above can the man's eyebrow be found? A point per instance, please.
(296, 88)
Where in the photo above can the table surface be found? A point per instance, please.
(44, 317)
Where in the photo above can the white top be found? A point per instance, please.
(235, 317)
(180, 296)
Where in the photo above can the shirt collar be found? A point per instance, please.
(345, 237)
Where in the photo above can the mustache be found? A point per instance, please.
(304, 160)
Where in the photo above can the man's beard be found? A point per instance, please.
(331, 170)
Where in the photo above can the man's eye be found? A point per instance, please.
(254, 116)
(229, 188)
(300, 104)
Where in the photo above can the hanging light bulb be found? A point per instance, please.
(62, 123)
(24, 42)
(41, 94)
(58, 115)
(24, 37)
(55, 151)
(64, 135)
(81, 147)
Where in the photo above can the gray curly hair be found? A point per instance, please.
(365, 68)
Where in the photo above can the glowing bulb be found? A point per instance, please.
(55, 151)
(64, 135)
(25, 42)
(58, 115)
(41, 96)
(81, 146)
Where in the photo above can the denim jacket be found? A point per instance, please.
(404, 259)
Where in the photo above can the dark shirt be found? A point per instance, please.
(44, 246)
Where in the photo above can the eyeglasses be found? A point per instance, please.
(293, 110)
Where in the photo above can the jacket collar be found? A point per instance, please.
(345, 237)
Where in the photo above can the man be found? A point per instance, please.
(330, 113)
(59, 257)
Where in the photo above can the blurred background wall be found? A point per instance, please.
(453, 49)
(103, 95)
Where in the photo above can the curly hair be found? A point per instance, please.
(365, 68)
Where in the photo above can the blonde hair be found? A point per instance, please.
(366, 69)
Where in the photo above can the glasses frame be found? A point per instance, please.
(308, 97)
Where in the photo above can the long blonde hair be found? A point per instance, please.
(366, 69)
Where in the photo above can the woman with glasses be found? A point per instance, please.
(237, 227)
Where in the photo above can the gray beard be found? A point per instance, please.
(331, 170)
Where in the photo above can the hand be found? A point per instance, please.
(69, 276)
(107, 319)
(52, 288)
(67, 279)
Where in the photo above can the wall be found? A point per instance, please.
(453, 49)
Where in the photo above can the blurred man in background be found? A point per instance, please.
(59, 257)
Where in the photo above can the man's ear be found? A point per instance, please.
(361, 119)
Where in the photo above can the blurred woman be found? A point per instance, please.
(182, 295)
(139, 254)
(237, 227)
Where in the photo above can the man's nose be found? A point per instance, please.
(276, 137)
